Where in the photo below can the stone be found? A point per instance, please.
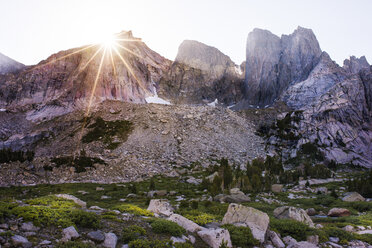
(4, 226)
(334, 239)
(311, 211)
(303, 244)
(294, 214)
(193, 180)
(319, 226)
(110, 240)
(161, 207)
(288, 240)
(275, 239)
(256, 220)
(314, 239)
(96, 236)
(189, 225)
(29, 227)
(353, 197)
(19, 241)
(69, 233)
(45, 242)
(179, 239)
(74, 199)
(277, 188)
(192, 239)
(236, 198)
(211, 177)
(99, 189)
(338, 212)
(96, 208)
(215, 237)
(234, 191)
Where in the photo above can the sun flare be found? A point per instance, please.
(109, 42)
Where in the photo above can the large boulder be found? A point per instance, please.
(338, 212)
(353, 197)
(96, 236)
(161, 207)
(275, 239)
(293, 213)
(69, 233)
(277, 188)
(256, 220)
(215, 237)
(189, 225)
(74, 199)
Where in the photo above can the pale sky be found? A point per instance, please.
(31, 30)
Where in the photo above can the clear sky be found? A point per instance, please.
(31, 30)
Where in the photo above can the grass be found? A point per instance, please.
(167, 227)
(133, 209)
(241, 236)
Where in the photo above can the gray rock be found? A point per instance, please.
(275, 239)
(355, 65)
(311, 211)
(353, 197)
(256, 220)
(338, 212)
(293, 213)
(74, 199)
(161, 207)
(314, 239)
(19, 241)
(334, 239)
(277, 188)
(69, 233)
(215, 237)
(189, 225)
(110, 240)
(96, 236)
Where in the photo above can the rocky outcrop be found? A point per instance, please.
(274, 63)
(294, 214)
(67, 79)
(355, 65)
(8, 65)
(256, 220)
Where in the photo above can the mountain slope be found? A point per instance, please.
(8, 65)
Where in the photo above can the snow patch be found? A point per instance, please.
(238, 70)
(214, 103)
(156, 99)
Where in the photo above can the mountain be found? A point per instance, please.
(8, 65)
(65, 80)
(273, 63)
(200, 74)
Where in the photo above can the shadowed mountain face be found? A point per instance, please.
(274, 63)
(8, 65)
(67, 79)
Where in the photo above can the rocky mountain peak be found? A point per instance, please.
(8, 65)
(354, 64)
(206, 58)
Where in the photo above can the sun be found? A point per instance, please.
(109, 42)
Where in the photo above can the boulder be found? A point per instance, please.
(275, 239)
(294, 214)
(161, 207)
(215, 237)
(277, 188)
(110, 240)
(348, 228)
(29, 227)
(19, 241)
(189, 225)
(236, 198)
(256, 220)
(234, 191)
(311, 211)
(69, 233)
(353, 197)
(338, 212)
(314, 239)
(302, 244)
(96, 236)
(210, 178)
(74, 199)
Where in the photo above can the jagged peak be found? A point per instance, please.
(354, 64)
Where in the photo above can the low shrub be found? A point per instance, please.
(167, 227)
(75, 244)
(132, 233)
(133, 209)
(241, 236)
(144, 243)
(337, 232)
(287, 227)
(201, 218)
(6, 209)
(364, 237)
(183, 245)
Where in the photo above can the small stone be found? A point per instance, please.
(70, 233)
(29, 227)
(4, 226)
(96, 236)
(19, 241)
(314, 239)
(160, 206)
(334, 239)
(45, 242)
(105, 197)
(99, 189)
(74, 199)
(277, 188)
(311, 211)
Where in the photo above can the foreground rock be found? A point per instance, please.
(110, 240)
(161, 207)
(96, 236)
(256, 220)
(19, 241)
(74, 199)
(275, 239)
(353, 197)
(70, 233)
(294, 214)
(215, 237)
(277, 188)
(189, 225)
(338, 212)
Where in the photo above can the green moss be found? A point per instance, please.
(144, 243)
(167, 227)
(132, 233)
(133, 209)
(241, 236)
(105, 131)
(295, 229)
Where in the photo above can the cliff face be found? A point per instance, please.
(67, 79)
(274, 63)
(8, 65)
(201, 74)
